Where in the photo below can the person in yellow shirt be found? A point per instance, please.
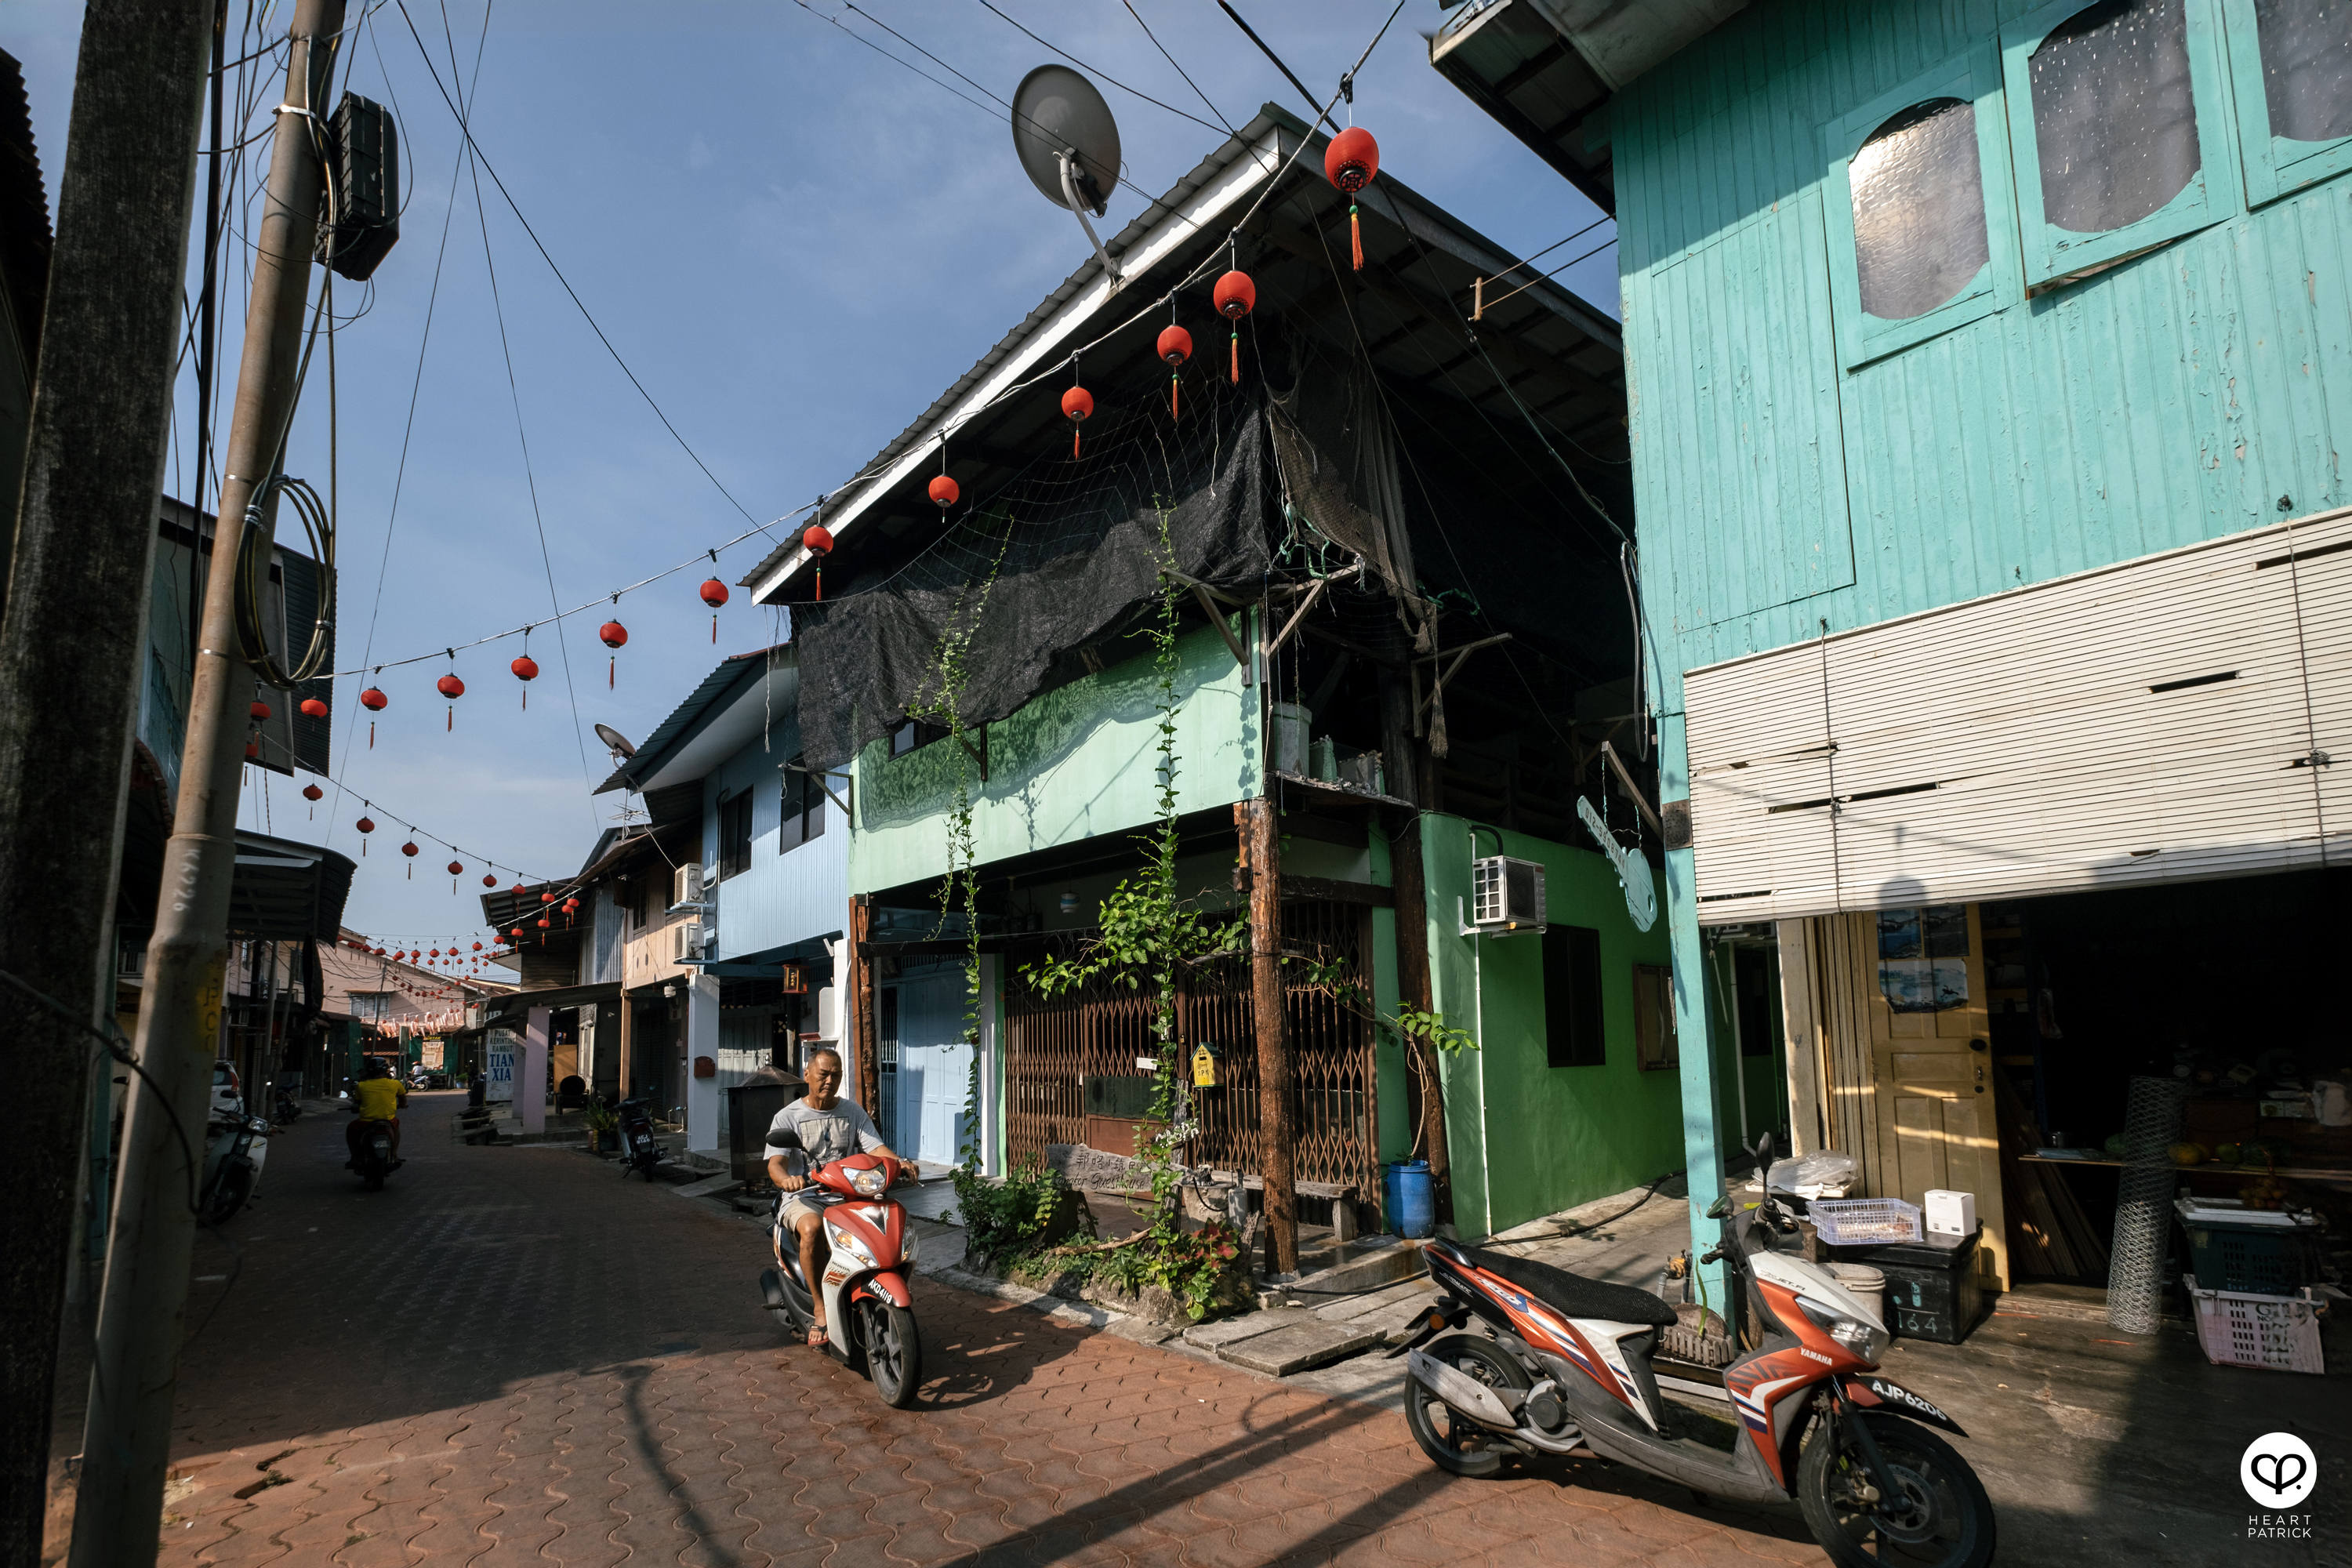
(376, 1096)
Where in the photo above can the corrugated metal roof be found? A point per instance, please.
(673, 731)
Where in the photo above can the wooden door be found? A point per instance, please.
(1919, 976)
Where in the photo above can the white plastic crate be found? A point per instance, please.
(1863, 1222)
(2239, 1329)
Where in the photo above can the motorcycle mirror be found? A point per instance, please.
(783, 1137)
(1717, 1209)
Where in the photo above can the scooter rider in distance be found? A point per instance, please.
(377, 1097)
(830, 1128)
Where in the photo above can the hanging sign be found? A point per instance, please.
(500, 1061)
(1633, 868)
(433, 1057)
(795, 981)
(1204, 1066)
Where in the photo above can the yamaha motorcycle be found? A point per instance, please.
(1558, 1363)
(866, 1252)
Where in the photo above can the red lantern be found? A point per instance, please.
(1349, 162)
(714, 593)
(519, 889)
(612, 634)
(477, 947)
(313, 709)
(518, 932)
(489, 879)
(374, 701)
(312, 792)
(542, 925)
(818, 539)
(453, 689)
(260, 711)
(1175, 347)
(252, 750)
(409, 849)
(457, 870)
(1234, 297)
(365, 826)
(1077, 404)
(547, 897)
(944, 492)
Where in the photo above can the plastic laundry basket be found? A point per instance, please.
(1863, 1222)
(2237, 1328)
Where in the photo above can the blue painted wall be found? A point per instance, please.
(792, 897)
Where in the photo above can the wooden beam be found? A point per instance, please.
(1617, 765)
(1261, 851)
(1313, 595)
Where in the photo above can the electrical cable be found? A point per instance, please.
(1179, 70)
(491, 169)
(1098, 70)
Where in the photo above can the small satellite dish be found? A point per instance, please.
(1069, 145)
(615, 742)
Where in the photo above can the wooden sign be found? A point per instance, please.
(795, 983)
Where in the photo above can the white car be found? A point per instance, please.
(228, 1095)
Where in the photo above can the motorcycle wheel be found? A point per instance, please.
(374, 1182)
(1453, 1441)
(228, 1195)
(1944, 1519)
(894, 1352)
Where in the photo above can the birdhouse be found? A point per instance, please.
(1204, 1066)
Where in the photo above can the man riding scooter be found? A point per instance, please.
(830, 1128)
(377, 1097)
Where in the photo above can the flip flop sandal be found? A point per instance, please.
(816, 1339)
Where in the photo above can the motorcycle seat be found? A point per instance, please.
(1573, 1295)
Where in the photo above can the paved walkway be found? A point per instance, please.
(512, 1355)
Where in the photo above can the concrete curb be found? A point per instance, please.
(1076, 1313)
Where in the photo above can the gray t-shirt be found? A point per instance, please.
(834, 1133)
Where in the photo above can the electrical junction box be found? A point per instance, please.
(363, 190)
(1506, 895)
(1950, 1213)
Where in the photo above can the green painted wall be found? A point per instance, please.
(1528, 1139)
(2171, 398)
(1077, 762)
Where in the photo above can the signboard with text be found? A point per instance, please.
(502, 1049)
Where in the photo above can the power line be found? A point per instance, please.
(1179, 70)
(491, 169)
(1104, 74)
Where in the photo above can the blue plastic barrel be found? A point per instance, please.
(1409, 1198)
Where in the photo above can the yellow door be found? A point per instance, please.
(1920, 976)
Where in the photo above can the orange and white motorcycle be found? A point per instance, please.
(866, 1257)
(1564, 1364)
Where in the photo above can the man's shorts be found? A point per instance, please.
(789, 1214)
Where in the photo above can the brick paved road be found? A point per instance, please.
(510, 1355)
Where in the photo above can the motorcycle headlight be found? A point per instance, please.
(1868, 1343)
(870, 1184)
(848, 1245)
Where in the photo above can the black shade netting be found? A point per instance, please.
(1040, 568)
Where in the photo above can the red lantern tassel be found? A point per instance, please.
(609, 665)
(1356, 237)
(1171, 399)
(452, 724)
(370, 734)
(820, 584)
(1074, 444)
(1237, 356)
(714, 631)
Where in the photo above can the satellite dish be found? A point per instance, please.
(1069, 145)
(615, 742)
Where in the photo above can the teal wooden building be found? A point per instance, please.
(1989, 388)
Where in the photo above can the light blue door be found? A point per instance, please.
(934, 1067)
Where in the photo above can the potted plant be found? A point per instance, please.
(603, 1124)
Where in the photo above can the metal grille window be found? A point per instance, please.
(1575, 1033)
(734, 834)
(886, 1059)
(1918, 188)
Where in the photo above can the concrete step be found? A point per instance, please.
(1299, 1345)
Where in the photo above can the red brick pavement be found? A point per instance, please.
(512, 1356)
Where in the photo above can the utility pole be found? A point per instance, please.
(73, 654)
(127, 1439)
(1262, 859)
(1400, 763)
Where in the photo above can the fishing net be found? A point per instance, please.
(1030, 575)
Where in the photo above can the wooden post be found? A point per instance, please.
(1262, 859)
(627, 1048)
(1424, 1087)
(861, 972)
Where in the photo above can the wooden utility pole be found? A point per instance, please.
(861, 1001)
(1401, 761)
(73, 654)
(1262, 860)
(136, 1365)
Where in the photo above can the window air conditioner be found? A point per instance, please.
(1506, 895)
(686, 887)
(686, 942)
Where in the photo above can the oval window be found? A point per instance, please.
(1919, 210)
(2306, 66)
(2114, 121)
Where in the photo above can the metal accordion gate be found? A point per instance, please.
(1053, 1044)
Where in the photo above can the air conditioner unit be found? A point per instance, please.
(1506, 895)
(686, 942)
(686, 887)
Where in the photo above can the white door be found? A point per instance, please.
(934, 1075)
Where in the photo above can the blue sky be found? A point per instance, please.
(795, 243)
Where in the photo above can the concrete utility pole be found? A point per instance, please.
(1401, 764)
(1262, 857)
(73, 653)
(127, 1439)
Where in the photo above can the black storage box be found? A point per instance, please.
(1932, 1290)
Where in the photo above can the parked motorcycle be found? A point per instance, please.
(237, 1148)
(288, 1108)
(640, 1150)
(374, 1160)
(867, 1251)
(1571, 1365)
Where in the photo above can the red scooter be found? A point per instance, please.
(866, 1252)
(1571, 1365)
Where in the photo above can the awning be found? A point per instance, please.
(284, 891)
(508, 1010)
